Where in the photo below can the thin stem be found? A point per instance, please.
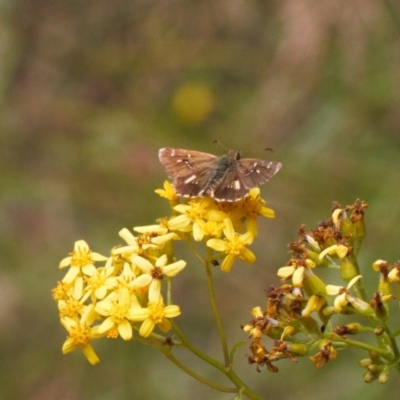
(194, 349)
(350, 342)
(213, 300)
(214, 307)
(198, 377)
(169, 291)
(228, 372)
(394, 345)
(395, 333)
(197, 255)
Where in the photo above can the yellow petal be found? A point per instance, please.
(147, 327)
(227, 263)
(229, 232)
(298, 276)
(172, 311)
(125, 330)
(247, 256)
(285, 272)
(90, 354)
(216, 244)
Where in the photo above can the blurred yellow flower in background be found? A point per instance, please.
(193, 102)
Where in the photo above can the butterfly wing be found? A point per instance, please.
(256, 172)
(182, 163)
(230, 188)
(189, 169)
(244, 175)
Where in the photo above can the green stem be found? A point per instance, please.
(395, 333)
(214, 307)
(198, 377)
(350, 342)
(197, 255)
(194, 349)
(227, 371)
(213, 300)
(394, 346)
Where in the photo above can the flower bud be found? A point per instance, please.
(379, 330)
(384, 375)
(369, 377)
(366, 362)
(298, 349)
(348, 268)
(374, 357)
(312, 284)
(354, 328)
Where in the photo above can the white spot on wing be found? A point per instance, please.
(190, 179)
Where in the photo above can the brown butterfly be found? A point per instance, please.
(225, 178)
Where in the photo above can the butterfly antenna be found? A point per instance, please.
(266, 149)
(218, 142)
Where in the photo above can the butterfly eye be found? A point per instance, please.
(238, 155)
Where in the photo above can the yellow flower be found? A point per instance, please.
(155, 314)
(378, 263)
(394, 274)
(62, 291)
(202, 208)
(98, 285)
(80, 334)
(207, 228)
(131, 249)
(298, 271)
(335, 217)
(168, 192)
(253, 207)
(117, 307)
(344, 297)
(158, 234)
(193, 102)
(155, 273)
(338, 249)
(159, 229)
(259, 323)
(327, 352)
(234, 246)
(314, 303)
(81, 260)
(160, 268)
(71, 308)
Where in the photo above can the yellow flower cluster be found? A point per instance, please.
(300, 313)
(109, 300)
(124, 292)
(218, 223)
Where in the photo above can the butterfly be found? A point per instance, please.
(225, 178)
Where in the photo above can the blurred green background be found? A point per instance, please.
(90, 90)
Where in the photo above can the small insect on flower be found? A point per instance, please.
(225, 178)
